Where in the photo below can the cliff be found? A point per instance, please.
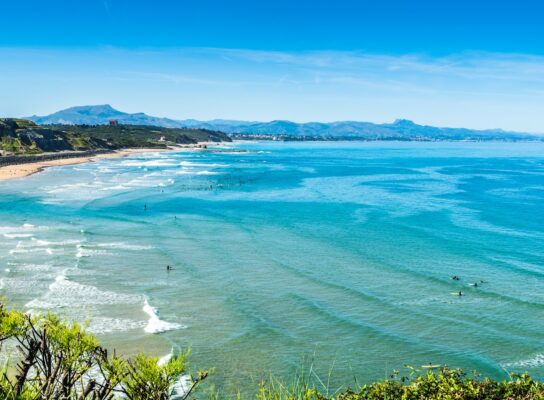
(20, 136)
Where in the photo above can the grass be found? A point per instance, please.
(22, 136)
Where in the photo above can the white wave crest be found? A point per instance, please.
(536, 361)
(150, 163)
(17, 235)
(65, 293)
(101, 325)
(25, 229)
(124, 246)
(19, 250)
(88, 252)
(182, 386)
(194, 164)
(155, 324)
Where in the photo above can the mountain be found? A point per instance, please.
(398, 130)
(101, 115)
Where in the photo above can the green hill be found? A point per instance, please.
(123, 136)
(20, 136)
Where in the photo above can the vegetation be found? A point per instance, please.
(20, 136)
(59, 360)
(123, 136)
(440, 384)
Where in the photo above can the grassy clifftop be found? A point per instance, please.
(20, 136)
(142, 135)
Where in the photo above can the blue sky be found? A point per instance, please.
(476, 64)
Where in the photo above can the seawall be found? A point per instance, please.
(23, 159)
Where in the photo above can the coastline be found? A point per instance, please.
(16, 171)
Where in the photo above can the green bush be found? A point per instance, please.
(59, 360)
(440, 384)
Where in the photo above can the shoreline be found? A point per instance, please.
(16, 171)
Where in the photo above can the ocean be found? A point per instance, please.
(338, 254)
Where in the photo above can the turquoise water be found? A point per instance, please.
(342, 252)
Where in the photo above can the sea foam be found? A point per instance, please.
(181, 387)
(533, 362)
(155, 324)
(194, 164)
(66, 293)
(124, 246)
(17, 235)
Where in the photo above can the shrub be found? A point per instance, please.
(59, 360)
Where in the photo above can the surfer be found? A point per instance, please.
(145, 207)
(455, 278)
(460, 293)
(168, 268)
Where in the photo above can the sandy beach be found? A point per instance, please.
(22, 170)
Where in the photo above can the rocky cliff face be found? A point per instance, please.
(19, 136)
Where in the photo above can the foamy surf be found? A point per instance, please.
(194, 164)
(102, 325)
(187, 171)
(150, 163)
(533, 362)
(164, 359)
(124, 246)
(181, 387)
(17, 235)
(21, 231)
(23, 250)
(88, 252)
(58, 279)
(41, 243)
(155, 324)
(63, 292)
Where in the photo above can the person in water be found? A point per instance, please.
(460, 293)
(455, 278)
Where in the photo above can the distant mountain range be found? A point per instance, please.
(400, 129)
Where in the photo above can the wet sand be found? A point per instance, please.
(22, 170)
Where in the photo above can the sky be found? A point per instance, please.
(476, 64)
